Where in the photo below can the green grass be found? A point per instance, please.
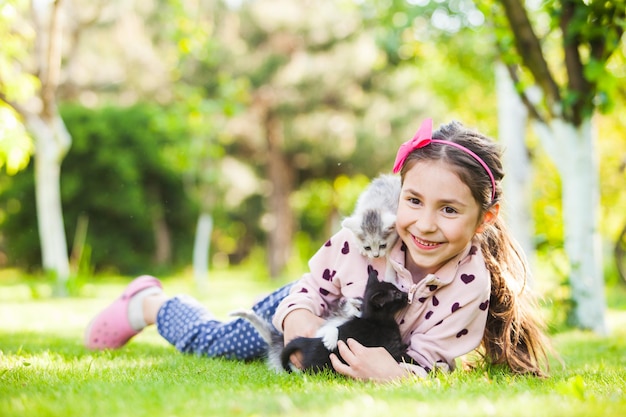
(45, 371)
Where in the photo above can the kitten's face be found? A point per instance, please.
(384, 296)
(376, 233)
(378, 239)
(376, 245)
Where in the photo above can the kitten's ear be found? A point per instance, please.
(389, 221)
(351, 223)
(373, 277)
(378, 299)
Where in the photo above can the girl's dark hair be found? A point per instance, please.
(514, 333)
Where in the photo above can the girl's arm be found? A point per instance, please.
(336, 270)
(301, 322)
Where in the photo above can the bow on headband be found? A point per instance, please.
(422, 138)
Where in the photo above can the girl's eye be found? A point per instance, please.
(413, 200)
(449, 210)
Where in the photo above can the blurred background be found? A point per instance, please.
(164, 136)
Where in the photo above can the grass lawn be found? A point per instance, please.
(45, 371)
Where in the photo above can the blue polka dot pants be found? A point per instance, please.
(187, 325)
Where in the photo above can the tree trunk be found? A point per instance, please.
(52, 142)
(201, 251)
(512, 120)
(160, 230)
(280, 227)
(162, 238)
(572, 150)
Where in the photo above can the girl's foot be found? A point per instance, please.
(114, 326)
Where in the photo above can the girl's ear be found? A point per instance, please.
(489, 217)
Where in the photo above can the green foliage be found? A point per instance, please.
(16, 84)
(320, 206)
(20, 244)
(116, 177)
(323, 86)
(16, 146)
(433, 58)
(17, 42)
(450, 48)
(585, 35)
(238, 230)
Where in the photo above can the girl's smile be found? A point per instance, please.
(425, 245)
(437, 216)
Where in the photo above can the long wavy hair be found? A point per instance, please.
(515, 332)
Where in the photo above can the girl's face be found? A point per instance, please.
(437, 216)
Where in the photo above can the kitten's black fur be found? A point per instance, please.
(375, 327)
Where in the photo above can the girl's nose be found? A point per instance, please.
(426, 222)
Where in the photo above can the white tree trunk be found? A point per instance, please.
(52, 142)
(572, 150)
(512, 121)
(201, 249)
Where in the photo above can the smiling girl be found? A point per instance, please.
(465, 276)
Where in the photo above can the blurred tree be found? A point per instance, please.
(321, 95)
(562, 96)
(116, 180)
(38, 71)
(118, 176)
(207, 97)
(512, 123)
(449, 48)
(41, 37)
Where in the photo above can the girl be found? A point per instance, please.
(464, 275)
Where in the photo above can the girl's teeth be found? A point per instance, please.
(421, 242)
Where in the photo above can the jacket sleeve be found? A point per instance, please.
(331, 276)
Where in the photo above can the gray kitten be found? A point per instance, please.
(339, 313)
(373, 221)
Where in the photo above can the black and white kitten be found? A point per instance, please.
(375, 327)
(340, 312)
(373, 221)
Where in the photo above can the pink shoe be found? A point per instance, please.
(110, 329)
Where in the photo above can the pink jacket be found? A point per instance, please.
(447, 312)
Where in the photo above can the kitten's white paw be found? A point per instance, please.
(329, 336)
(351, 307)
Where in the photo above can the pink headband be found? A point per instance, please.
(422, 138)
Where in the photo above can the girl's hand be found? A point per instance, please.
(299, 323)
(366, 363)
